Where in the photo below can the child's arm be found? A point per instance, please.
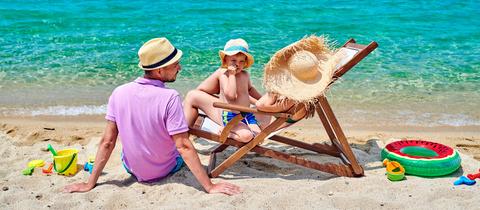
(211, 84)
(228, 83)
(253, 93)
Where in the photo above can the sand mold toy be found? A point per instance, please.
(49, 169)
(395, 171)
(88, 167)
(464, 180)
(36, 163)
(474, 176)
(28, 171)
(32, 165)
(89, 164)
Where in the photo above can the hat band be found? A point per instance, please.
(235, 48)
(164, 61)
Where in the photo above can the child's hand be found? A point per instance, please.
(232, 70)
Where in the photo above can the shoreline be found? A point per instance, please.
(349, 114)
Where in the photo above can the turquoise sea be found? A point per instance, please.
(65, 58)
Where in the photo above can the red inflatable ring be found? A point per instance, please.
(423, 158)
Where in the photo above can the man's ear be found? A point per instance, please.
(158, 71)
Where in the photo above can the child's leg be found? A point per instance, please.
(197, 99)
(255, 128)
(241, 132)
(263, 120)
(252, 123)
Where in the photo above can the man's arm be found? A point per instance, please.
(190, 156)
(103, 154)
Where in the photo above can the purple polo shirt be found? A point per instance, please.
(147, 114)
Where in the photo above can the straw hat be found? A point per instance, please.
(234, 46)
(158, 53)
(301, 71)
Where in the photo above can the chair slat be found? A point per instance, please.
(363, 52)
(355, 46)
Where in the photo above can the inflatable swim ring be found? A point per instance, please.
(423, 158)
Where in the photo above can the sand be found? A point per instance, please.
(266, 183)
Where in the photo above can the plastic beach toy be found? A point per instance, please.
(88, 167)
(36, 163)
(423, 158)
(464, 180)
(91, 158)
(474, 176)
(28, 171)
(52, 150)
(32, 165)
(65, 162)
(89, 164)
(395, 171)
(49, 169)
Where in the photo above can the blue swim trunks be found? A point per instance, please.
(248, 118)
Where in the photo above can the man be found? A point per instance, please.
(150, 120)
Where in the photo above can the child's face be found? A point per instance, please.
(238, 60)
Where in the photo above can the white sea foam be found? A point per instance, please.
(56, 111)
(457, 120)
(355, 116)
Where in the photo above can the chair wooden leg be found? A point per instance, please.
(213, 157)
(247, 147)
(337, 169)
(339, 148)
(325, 111)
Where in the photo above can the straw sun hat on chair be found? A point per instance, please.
(158, 53)
(301, 71)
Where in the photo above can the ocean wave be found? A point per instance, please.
(410, 118)
(355, 116)
(56, 111)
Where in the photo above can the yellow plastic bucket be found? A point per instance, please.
(65, 163)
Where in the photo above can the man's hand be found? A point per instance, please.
(225, 188)
(77, 187)
(190, 156)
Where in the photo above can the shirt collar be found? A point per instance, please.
(146, 81)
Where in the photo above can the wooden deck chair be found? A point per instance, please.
(339, 146)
